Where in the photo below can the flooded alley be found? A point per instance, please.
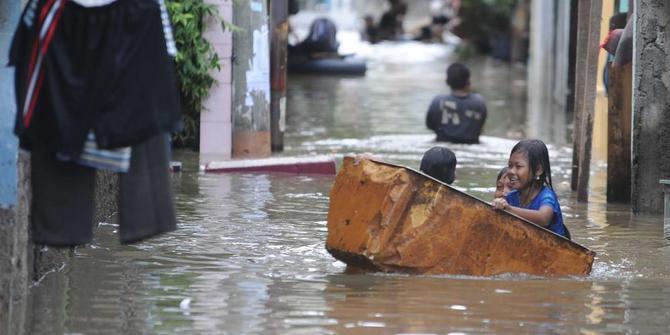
(249, 256)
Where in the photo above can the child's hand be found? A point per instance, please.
(500, 203)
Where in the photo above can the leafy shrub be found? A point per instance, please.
(484, 19)
(195, 61)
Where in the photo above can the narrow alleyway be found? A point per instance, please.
(249, 256)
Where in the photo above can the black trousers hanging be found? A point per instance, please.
(145, 198)
(63, 197)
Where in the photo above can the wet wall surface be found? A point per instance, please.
(13, 237)
(9, 14)
(249, 255)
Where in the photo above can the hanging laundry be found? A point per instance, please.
(114, 160)
(63, 203)
(96, 89)
(106, 69)
(145, 198)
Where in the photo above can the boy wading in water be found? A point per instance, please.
(457, 117)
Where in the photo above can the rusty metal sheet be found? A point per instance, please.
(391, 218)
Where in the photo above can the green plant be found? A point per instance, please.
(465, 51)
(195, 61)
(483, 19)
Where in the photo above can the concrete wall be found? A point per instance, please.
(13, 230)
(251, 80)
(547, 70)
(651, 104)
(15, 261)
(9, 13)
(23, 263)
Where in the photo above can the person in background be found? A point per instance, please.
(321, 41)
(370, 30)
(391, 24)
(433, 32)
(611, 42)
(439, 163)
(457, 117)
(533, 197)
(502, 184)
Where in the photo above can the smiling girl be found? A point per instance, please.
(533, 197)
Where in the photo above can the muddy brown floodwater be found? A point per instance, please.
(249, 255)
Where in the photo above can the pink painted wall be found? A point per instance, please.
(216, 120)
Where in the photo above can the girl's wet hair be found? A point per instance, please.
(502, 173)
(538, 155)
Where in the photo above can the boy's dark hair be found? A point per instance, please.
(538, 155)
(439, 163)
(458, 76)
(502, 172)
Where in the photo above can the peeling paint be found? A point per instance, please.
(258, 75)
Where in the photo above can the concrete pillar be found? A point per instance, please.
(541, 59)
(215, 119)
(559, 91)
(251, 80)
(651, 104)
(9, 13)
(586, 68)
(548, 69)
(619, 126)
(14, 270)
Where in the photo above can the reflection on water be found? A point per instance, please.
(249, 256)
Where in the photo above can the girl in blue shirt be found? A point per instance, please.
(533, 197)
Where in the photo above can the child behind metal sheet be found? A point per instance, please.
(439, 163)
(502, 183)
